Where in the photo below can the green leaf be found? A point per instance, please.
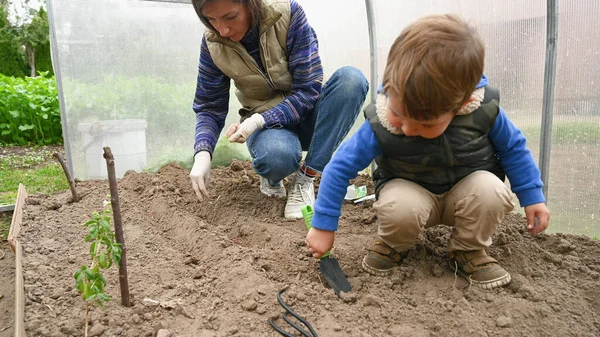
(77, 275)
(103, 261)
(93, 230)
(26, 127)
(33, 106)
(105, 224)
(116, 253)
(98, 287)
(93, 248)
(106, 241)
(89, 274)
(14, 113)
(104, 297)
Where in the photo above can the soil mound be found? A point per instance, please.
(215, 268)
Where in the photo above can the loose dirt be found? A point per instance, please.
(214, 268)
(7, 290)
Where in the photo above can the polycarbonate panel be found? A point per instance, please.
(514, 34)
(136, 62)
(574, 187)
(343, 38)
(127, 73)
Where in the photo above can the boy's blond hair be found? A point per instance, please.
(434, 66)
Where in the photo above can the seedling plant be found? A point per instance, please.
(104, 253)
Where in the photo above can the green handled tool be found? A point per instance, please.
(328, 265)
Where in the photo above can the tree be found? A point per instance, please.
(33, 35)
(12, 61)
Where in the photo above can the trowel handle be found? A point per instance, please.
(307, 214)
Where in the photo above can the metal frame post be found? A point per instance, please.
(548, 96)
(374, 81)
(58, 77)
(372, 49)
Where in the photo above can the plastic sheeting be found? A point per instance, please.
(136, 62)
(574, 186)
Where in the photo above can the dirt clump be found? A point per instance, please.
(213, 268)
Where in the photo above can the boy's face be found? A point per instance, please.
(411, 127)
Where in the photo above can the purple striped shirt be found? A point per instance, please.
(211, 101)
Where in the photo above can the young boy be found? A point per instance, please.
(442, 146)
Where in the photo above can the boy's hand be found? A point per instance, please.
(319, 241)
(539, 211)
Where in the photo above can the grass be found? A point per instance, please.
(572, 223)
(5, 218)
(568, 133)
(33, 167)
(224, 153)
(47, 179)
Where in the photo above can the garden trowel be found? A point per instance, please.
(329, 266)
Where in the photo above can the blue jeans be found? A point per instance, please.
(276, 153)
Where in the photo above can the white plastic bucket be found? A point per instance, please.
(126, 139)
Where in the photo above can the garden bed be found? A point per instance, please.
(215, 268)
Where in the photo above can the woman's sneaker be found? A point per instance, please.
(302, 193)
(480, 269)
(269, 190)
(381, 259)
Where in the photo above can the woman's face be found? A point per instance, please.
(231, 19)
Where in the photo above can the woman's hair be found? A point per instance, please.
(254, 6)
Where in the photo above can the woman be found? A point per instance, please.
(271, 53)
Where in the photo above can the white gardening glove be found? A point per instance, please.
(200, 174)
(239, 133)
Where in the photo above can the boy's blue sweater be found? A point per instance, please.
(362, 148)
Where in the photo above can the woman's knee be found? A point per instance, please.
(351, 80)
(276, 161)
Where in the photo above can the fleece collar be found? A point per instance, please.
(381, 102)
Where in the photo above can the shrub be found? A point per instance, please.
(29, 111)
(43, 60)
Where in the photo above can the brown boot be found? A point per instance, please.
(381, 259)
(480, 269)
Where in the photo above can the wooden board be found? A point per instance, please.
(15, 225)
(13, 240)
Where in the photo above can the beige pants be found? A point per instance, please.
(474, 207)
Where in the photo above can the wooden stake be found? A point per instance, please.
(61, 160)
(114, 201)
